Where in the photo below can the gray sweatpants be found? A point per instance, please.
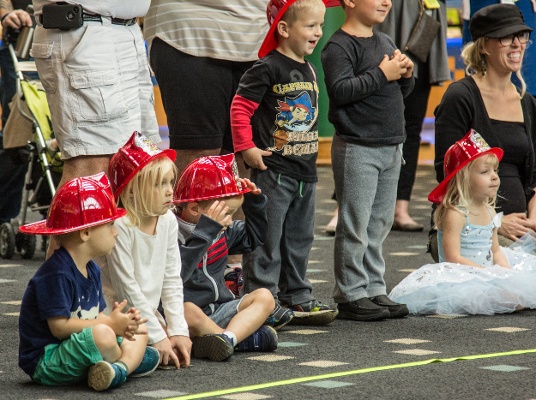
(280, 264)
(365, 184)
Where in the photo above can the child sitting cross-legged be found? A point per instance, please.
(65, 337)
(208, 193)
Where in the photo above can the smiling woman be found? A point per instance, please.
(487, 101)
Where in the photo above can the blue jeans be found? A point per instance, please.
(365, 183)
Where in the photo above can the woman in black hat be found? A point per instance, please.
(503, 113)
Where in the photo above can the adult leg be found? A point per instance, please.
(415, 111)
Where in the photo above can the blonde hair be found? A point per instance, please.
(137, 197)
(458, 194)
(475, 61)
(296, 9)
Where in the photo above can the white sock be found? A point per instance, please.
(232, 336)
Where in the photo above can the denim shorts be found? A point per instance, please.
(67, 363)
(224, 312)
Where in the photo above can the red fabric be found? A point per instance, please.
(242, 110)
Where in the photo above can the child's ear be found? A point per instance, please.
(282, 29)
(349, 3)
(84, 234)
(193, 208)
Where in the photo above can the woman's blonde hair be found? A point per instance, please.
(458, 194)
(475, 61)
(137, 197)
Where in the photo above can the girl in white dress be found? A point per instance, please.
(475, 275)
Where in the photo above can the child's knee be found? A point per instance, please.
(265, 297)
(104, 337)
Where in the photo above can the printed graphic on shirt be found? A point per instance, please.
(295, 116)
(87, 309)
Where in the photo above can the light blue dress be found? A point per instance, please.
(454, 289)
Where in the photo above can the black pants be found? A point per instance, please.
(414, 113)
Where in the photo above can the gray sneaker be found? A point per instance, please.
(216, 347)
(313, 312)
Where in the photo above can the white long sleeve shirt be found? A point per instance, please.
(144, 269)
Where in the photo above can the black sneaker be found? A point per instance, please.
(279, 317)
(362, 310)
(396, 310)
(217, 347)
(263, 339)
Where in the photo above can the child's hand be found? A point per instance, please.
(127, 324)
(182, 346)
(251, 185)
(167, 354)
(392, 67)
(253, 157)
(218, 212)
(406, 62)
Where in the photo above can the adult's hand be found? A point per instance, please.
(16, 19)
(515, 225)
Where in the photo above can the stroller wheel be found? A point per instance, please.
(27, 245)
(7, 240)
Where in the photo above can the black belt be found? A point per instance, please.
(98, 18)
(115, 21)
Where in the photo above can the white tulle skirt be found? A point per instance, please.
(454, 289)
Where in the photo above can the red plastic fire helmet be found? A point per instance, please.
(80, 203)
(131, 158)
(207, 178)
(274, 11)
(461, 153)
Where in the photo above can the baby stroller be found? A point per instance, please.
(29, 131)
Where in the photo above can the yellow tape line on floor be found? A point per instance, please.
(345, 373)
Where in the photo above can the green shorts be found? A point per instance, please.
(67, 363)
